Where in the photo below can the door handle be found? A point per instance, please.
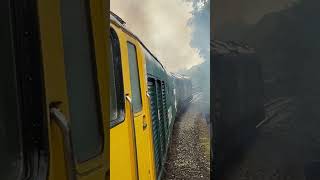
(58, 117)
(145, 125)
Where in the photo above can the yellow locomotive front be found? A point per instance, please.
(56, 61)
(131, 149)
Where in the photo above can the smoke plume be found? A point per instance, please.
(200, 23)
(164, 27)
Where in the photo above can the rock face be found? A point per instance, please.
(287, 44)
(238, 99)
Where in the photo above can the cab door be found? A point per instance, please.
(123, 153)
(74, 51)
(139, 103)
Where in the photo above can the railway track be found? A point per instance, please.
(274, 108)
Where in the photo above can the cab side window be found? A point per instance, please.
(116, 79)
(134, 78)
(81, 80)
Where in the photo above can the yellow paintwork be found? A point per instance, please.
(122, 160)
(55, 84)
(130, 143)
(102, 54)
(122, 152)
(141, 134)
(56, 90)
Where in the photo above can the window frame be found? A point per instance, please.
(114, 40)
(139, 71)
(95, 81)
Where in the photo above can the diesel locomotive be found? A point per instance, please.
(145, 99)
(58, 104)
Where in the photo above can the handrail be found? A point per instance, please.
(128, 99)
(64, 125)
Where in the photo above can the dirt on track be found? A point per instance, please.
(189, 151)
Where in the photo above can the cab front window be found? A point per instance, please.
(116, 86)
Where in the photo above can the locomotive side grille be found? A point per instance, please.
(165, 113)
(161, 118)
(155, 123)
